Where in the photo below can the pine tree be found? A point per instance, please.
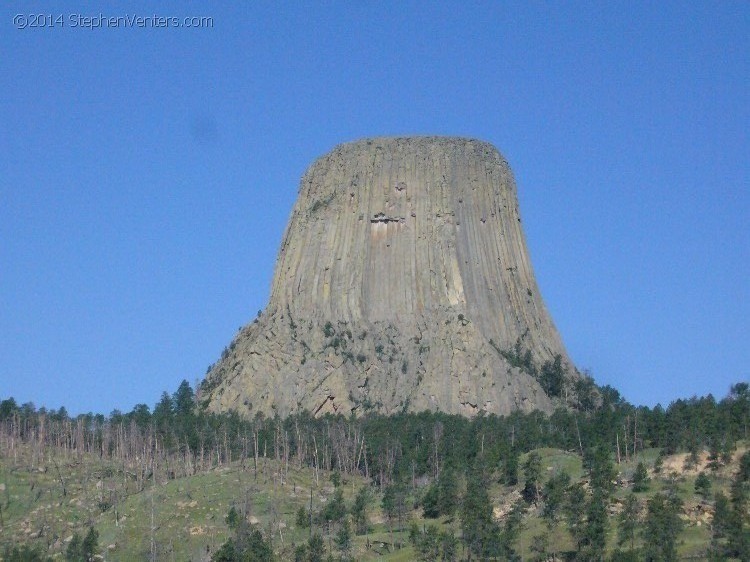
(601, 471)
(479, 531)
(721, 527)
(575, 514)
(555, 492)
(74, 553)
(510, 531)
(552, 377)
(394, 504)
(24, 553)
(554, 498)
(426, 543)
(714, 455)
(739, 527)
(335, 508)
(359, 510)
(430, 502)
(233, 518)
(539, 548)
(316, 548)
(83, 550)
(532, 469)
(659, 462)
(90, 545)
(448, 492)
(628, 522)
(703, 485)
(303, 518)
(344, 538)
(661, 528)
(448, 547)
(510, 468)
(300, 553)
(597, 525)
(640, 478)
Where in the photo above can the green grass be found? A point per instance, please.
(42, 507)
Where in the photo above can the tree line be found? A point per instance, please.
(179, 437)
(400, 453)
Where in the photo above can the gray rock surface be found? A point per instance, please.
(402, 275)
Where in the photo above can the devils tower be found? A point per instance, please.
(403, 283)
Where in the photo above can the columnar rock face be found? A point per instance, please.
(402, 282)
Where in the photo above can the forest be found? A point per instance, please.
(435, 480)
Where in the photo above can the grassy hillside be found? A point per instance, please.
(46, 497)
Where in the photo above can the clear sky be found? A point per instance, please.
(147, 174)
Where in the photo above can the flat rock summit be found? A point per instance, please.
(403, 283)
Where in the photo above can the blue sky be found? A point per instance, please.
(148, 174)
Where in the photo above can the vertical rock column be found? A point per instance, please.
(402, 272)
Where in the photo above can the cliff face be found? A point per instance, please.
(402, 276)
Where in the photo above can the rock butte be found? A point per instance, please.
(402, 275)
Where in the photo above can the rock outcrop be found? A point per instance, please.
(403, 283)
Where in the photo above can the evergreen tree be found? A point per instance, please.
(691, 461)
(183, 400)
(721, 527)
(233, 518)
(316, 548)
(441, 496)
(426, 543)
(430, 502)
(302, 519)
(448, 492)
(628, 522)
(591, 535)
(359, 510)
(597, 525)
(661, 528)
(336, 479)
(714, 455)
(532, 469)
(510, 531)
(575, 514)
(394, 504)
(448, 547)
(539, 548)
(163, 410)
(256, 548)
(83, 550)
(601, 471)
(722, 516)
(246, 543)
(479, 531)
(344, 539)
(659, 462)
(74, 553)
(727, 451)
(739, 527)
(743, 473)
(300, 553)
(625, 556)
(226, 552)
(510, 468)
(703, 485)
(640, 478)
(552, 377)
(335, 508)
(90, 545)
(24, 553)
(555, 492)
